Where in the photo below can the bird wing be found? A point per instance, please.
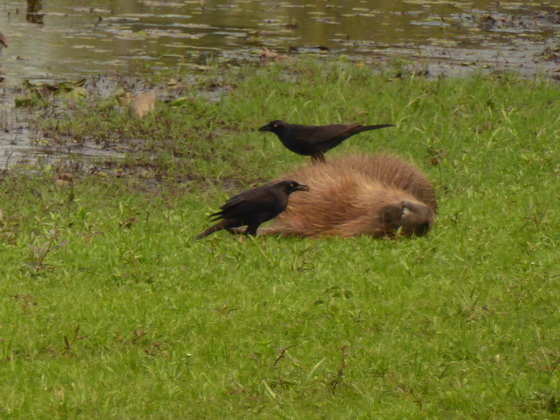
(247, 203)
(327, 133)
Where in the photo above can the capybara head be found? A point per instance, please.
(408, 218)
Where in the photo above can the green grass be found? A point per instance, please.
(110, 309)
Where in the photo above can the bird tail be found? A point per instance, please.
(218, 226)
(373, 127)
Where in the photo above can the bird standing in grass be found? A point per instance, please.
(254, 207)
(315, 140)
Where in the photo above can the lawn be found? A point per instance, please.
(111, 309)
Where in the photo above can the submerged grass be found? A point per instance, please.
(111, 309)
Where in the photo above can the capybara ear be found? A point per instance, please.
(417, 218)
(391, 217)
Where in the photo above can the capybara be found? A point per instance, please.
(381, 196)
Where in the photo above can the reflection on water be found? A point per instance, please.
(32, 14)
(66, 38)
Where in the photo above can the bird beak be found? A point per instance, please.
(302, 188)
(265, 128)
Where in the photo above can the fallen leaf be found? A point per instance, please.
(173, 84)
(64, 179)
(124, 97)
(66, 176)
(144, 103)
(267, 55)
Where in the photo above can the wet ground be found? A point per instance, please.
(68, 39)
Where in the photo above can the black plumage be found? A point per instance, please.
(315, 140)
(254, 207)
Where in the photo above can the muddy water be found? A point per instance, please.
(69, 39)
(64, 38)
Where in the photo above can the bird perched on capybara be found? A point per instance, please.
(315, 140)
(381, 196)
(253, 207)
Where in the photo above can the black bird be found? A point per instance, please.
(254, 207)
(315, 140)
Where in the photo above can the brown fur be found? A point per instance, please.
(359, 195)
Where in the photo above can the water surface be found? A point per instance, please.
(68, 38)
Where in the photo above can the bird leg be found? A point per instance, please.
(252, 229)
(318, 158)
(236, 231)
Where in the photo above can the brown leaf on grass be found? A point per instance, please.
(267, 55)
(282, 354)
(27, 300)
(436, 155)
(144, 103)
(359, 111)
(174, 84)
(64, 178)
(124, 97)
(128, 222)
(138, 335)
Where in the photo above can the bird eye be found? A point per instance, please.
(275, 125)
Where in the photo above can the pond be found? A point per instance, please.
(68, 38)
